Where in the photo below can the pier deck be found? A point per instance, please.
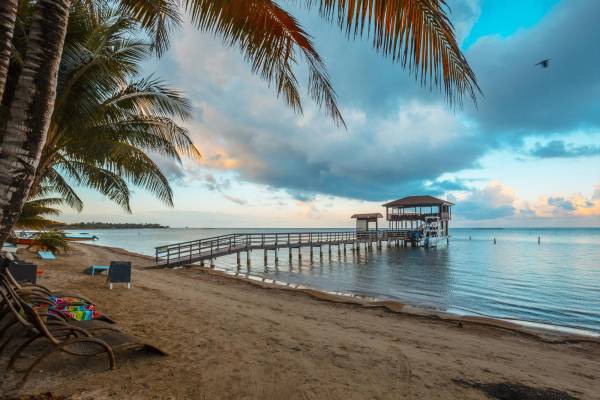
(185, 253)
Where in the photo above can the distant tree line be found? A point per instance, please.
(108, 225)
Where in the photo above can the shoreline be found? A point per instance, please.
(231, 338)
(543, 332)
(525, 327)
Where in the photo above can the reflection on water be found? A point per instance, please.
(556, 281)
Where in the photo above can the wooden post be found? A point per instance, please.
(248, 258)
(290, 253)
(238, 259)
(265, 257)
(311, 253)
(276, 256)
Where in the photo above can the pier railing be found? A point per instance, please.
(209, 248)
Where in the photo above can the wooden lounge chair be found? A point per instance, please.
(81, 338)
(58, 333)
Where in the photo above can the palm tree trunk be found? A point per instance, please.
(8, 15)
(23, 138)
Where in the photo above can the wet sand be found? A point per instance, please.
(231, 339)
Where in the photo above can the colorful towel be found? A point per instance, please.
(72, 308)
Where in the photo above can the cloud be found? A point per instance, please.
(521, 98)
(492, 202)
(497, 202)
(447, 185)
(561, 204)
(237, 200)
(215, 184)
(559, 149)
(401, 137)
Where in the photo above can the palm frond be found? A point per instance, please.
(416, 33)
(150, 96)
(272, 41)
(60, 186)
(102, 180)
(158, 17)
(34, 213)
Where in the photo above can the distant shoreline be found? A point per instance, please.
(109, 225)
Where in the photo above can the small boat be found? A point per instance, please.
(80, 237)
(25, 237)
(29, 237)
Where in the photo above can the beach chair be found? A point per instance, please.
(46, 255)
(57, 332)
(95, 269)
(23, 271)
(9, 248)
(119, 272)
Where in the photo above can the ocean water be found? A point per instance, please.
(556, 282)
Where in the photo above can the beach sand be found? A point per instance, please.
(230, 339)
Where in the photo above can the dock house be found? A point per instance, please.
(364, 222)
(418, 213)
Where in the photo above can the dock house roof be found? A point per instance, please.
(367, 216)
(418, 201)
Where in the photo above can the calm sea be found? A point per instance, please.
(556, 282)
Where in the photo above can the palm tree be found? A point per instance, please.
(8, 15)
(35, 213)
(416, 33)
(107, 121)
(23, 131)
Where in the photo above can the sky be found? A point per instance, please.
(527, 156)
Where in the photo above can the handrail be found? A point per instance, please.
(225, 244)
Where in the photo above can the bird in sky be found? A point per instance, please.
(544, 63)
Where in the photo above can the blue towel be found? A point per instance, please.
(46, 255)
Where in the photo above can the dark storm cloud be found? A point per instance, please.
(401, 137)
(522, 98)
(559, 149)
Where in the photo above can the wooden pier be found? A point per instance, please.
(202, 250)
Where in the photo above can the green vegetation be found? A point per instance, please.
(108, 120)
(109, 225)
(54, 241)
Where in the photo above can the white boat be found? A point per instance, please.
(82, 236)
(433, 235)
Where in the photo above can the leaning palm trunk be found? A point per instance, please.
(8, 15)
(22, 139)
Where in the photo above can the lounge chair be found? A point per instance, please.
(96, 269)
(9, 247)
(29, 321)
(46, 255)
(119, 272)
(23, 271)
(59, 333)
